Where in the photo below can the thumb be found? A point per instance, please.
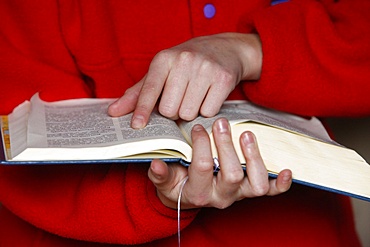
(167, 178)
(158, 173)
(161, 177)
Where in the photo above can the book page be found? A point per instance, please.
(14, 128)
(310, 161)
(243, 111)
(86, 123)
(314, 161)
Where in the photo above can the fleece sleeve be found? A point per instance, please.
(110, 204)
(316, 58)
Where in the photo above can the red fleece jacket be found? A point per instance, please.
(316, 60)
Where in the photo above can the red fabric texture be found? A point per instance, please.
(316, 55)
(324, 69)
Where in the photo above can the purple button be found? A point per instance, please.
(209, 10)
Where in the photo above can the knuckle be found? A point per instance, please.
(162, 56)
(226, 76)
(260, 190)
(201, 200)
(188, 114)
(167, 111)
(204, 165)
(222, 204)
(210, 110)
(226, 79)
(224, 139)
(142, 108)
(234, 177)
(185, 57)
(207, 66)
(132, 90)
(149, 88)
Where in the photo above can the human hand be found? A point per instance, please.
(193, 77)
(203, 189)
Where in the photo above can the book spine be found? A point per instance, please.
(5, 138)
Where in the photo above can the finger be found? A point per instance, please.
(151, 89)
(213, 102)
(257, 175)
(174, 89)
(165, 180)
(200, 183)
(281, 184)
(223, 84)
(192, 101)
(198, 86)
(126, 103)
(231, 173)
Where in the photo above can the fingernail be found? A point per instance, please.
(157, 176)
(248, 139)
(137, 122)
(222, 125)
(198, 127)
(114, 103)
(154, 172)
(286, 179)
(113, 106)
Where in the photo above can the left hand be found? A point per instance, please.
(203, 189)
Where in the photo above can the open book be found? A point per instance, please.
(79, 131)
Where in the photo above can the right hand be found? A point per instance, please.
(194, 77)
(203, 188)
